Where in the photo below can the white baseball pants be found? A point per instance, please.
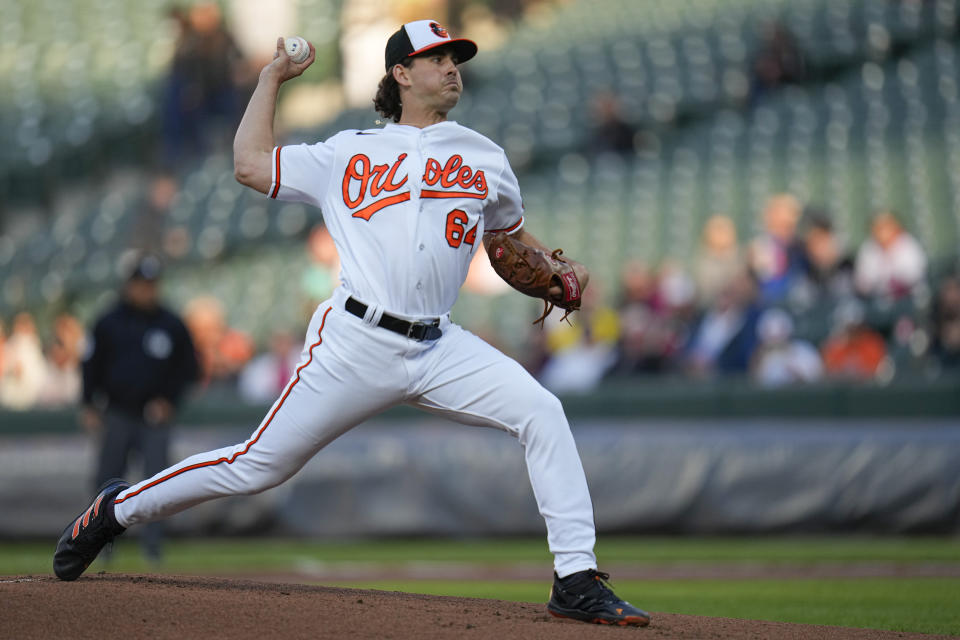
(351, 370)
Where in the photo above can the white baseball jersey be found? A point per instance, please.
(405, 206)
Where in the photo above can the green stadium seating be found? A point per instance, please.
(876, 125)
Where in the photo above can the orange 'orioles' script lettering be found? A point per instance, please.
(472, 184)
(373, 180)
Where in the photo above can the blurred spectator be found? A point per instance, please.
(322, 274)
(139, 364)
(221, 350)
(946, 323)
(23, 365)
(149, 226)
(610, 131)
(640, 349)
(676, 290)
(780, 358)
(481, 278)
(827, 270)
(583, 351)
(778, 60)
(724, 339)
(677, 306)
(579, 367)
(535, 353)
(719, 260)
(62, 384)
(264, 378)
(647, 339)
(890, 263)
(776, 256)
(908, 345)
(201, 103)
(854, 351)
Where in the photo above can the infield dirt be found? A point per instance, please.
(128, 606)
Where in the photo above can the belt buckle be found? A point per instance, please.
(411, 329)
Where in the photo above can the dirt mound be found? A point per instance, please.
(124, 606)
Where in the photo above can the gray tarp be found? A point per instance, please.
(435, 477)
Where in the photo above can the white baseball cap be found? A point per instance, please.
(419, 36)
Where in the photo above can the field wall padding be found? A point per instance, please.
(433, 477)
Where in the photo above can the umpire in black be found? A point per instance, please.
(139, 362)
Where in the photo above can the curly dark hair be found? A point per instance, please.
(387, 101)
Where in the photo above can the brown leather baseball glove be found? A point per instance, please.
(534, 272)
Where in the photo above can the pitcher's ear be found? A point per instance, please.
(401, 74)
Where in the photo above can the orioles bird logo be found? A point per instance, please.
(440, 31)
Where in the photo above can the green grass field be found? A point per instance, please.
(898, 603)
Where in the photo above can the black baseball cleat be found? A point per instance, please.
(83, 538)
(586, 596)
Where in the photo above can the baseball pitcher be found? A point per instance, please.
(406, 205)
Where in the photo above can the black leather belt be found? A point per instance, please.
(413, 330)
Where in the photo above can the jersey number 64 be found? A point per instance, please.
(456, 220)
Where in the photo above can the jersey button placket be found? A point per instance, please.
(419, 215)
(421, 246)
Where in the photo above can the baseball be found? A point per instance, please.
(297, 48)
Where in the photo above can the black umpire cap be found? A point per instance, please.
(147, 267)
(417, 37)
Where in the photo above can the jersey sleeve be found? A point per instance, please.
(301, 172)
(506, 212)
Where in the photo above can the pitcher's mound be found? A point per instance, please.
(125, 606)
